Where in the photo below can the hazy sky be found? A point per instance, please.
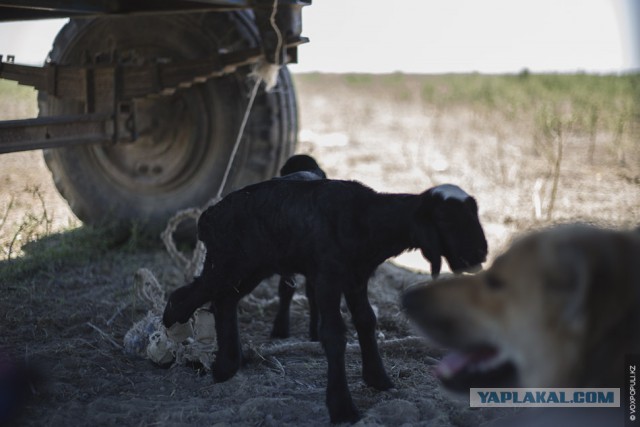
(469, 35)
(434, 36)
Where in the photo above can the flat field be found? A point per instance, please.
(533, 149)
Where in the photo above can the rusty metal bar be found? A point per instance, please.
(50, 132)
(80, 82)
(18, 10)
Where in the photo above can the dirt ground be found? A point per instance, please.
(68, 317)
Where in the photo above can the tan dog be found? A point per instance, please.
(560, 308)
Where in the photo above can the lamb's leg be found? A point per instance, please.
(332, 337)
(229, 354)
(225, 311)
(286, 289)
(313, 310)
(364, 319)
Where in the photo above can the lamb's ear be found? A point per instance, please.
(435, 260)
(430, 244)
(471, 203)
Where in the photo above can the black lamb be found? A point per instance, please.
(298, 167)
(335, 233)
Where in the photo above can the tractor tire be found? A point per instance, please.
(186, 138)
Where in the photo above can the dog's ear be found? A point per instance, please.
(576, 283)
(566, 275)
(588, 271)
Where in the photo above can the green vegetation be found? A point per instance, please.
(17, 102)
(51, 253)
(536, 134)
(31, 244)
(509, 91)
(358, 79)
(585, 99)
(12, 89)
(48, 253)
(593, 103)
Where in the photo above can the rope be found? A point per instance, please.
(237, 143)
(272, 20)
(192, 266)
(148, 337)
(262, 72)
(170, 245)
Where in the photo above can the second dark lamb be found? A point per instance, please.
(298, 167)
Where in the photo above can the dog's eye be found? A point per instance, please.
(494, 282)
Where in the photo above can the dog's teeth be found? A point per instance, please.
(485, 366)
(445, 372)
(492, 363)
(452, 363)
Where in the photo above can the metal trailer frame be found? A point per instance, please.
(108, 86)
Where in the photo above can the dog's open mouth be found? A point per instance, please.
(468, 270)
(481, 366)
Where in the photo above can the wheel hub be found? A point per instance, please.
(165, 148)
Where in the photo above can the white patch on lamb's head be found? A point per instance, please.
(450, 191)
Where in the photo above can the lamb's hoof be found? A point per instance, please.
(222, 371)
(346, 414)
(279, 333)
(379, 382)
(172, 315)
(342, 409)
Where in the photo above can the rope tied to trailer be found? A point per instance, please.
(263, 71)
(266, 71)
(195, 340)
(193, 266)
